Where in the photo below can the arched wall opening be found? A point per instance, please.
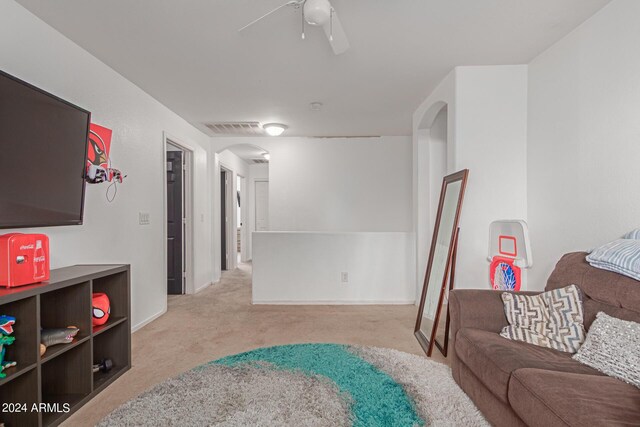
(432, 165)
(238, 166)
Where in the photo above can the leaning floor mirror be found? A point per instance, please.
(430, 329)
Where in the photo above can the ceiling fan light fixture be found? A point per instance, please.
(274, 129)
(317, 12)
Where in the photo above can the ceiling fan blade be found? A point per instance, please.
(289, 3)
(336, 35)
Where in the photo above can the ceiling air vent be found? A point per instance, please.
(236, 128)
(259, 161)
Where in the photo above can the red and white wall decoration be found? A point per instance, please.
(98, 157)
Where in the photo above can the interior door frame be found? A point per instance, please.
(188, 262)
(255, 205)
(230, 205)
(244, 199)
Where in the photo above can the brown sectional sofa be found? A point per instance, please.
(518, 384)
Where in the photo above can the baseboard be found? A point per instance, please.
(149, 320)
(334, 302)
(206, 285)
(216, 278)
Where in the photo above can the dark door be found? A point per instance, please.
(174, 223)
(223, 219)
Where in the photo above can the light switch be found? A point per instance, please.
(144, 218)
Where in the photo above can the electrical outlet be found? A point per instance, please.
(144, 218)
(344, 277)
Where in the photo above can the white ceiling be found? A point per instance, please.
(189, 55)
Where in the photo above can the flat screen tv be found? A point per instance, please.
(43, 147)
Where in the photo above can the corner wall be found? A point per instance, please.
(33, 51)
(486, 133)
(584, 138)
(491, 141)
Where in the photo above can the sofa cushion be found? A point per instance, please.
(602, 290)
(493, 358)
(546, 398)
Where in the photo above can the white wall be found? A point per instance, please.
(337, 184)
(35, 52)
(584, 137)
(491, 141)
(302, 267)
(256, 173)
(487, 134)
(358, 184)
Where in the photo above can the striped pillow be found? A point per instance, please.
(635, 234)
(552, 319)
(620, 256)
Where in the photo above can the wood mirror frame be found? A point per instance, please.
(427, 343)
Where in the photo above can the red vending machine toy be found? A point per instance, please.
(24, 259)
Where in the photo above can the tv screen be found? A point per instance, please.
(43, 145)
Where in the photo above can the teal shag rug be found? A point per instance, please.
(306, 385)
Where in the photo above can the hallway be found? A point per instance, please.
(220, 321)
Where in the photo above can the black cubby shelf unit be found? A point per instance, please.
(44, 391)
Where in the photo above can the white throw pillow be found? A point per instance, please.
(613, 347)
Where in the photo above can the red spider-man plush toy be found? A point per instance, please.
(101, 309)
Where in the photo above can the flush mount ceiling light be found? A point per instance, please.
(274, 129)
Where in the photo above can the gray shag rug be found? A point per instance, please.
(306, 385)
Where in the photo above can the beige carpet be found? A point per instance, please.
(221, 321)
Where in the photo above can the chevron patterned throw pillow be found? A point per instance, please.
(552, 319)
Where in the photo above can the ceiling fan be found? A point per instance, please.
(317, 13)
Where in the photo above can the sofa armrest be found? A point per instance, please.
(478, 309)
(475, 308)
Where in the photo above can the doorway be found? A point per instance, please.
(433, 163)
(224, 218)
(178, 217)
(237, 168)
(240, 220)
(262, 205)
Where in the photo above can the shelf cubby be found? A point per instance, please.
(66, 380)
(115, 286)
(22, 391)
(107, 346)
(62, 380)
(70, 306)
(23, 350)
